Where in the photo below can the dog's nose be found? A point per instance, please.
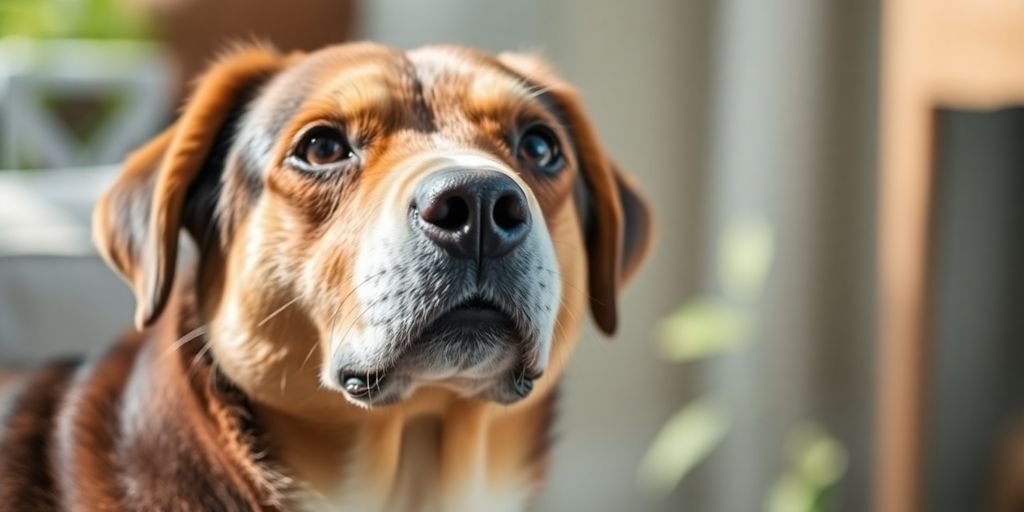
(472, 213)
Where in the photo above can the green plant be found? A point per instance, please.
(86, 19)
(713, 325)
(816, 463)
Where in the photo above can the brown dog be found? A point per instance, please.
(395, 254)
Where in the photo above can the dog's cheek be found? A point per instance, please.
(279, 246)
(262, 270)
(263, 334)
(329, 281)
(567, 237)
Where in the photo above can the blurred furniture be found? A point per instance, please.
(57, 297)
(73, 102)
(961, 54)
(1008, 489)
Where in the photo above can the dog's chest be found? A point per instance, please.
(417, 484)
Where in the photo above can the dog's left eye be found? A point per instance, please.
(538, 147)
(323, 145)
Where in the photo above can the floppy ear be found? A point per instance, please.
(618, 218)
(136, 222)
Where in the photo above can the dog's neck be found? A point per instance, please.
(475, 456)
(436, 452)
(183, 404)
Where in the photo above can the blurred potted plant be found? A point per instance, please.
(715, 325)
(80, 82)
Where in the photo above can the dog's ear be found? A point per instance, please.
(618, 218)
(137, 221)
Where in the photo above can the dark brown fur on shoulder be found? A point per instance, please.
(146, 425)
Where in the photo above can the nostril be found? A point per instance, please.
(449, 214)
(510, 212)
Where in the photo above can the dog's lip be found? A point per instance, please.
(514, 385)
(372, 385)
(360, 384)
(473, 312)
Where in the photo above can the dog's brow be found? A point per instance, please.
(360, 89)
(491, 91)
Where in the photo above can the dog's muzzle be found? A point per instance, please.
(461, 294)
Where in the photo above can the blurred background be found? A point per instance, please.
(828, 321)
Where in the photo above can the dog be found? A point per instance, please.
(394, 253)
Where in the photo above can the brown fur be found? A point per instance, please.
(113, 432)
(219, 403)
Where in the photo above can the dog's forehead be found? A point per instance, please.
(470, 79)
(368, 78)
(443, 68)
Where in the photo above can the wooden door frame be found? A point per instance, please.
(965, 54)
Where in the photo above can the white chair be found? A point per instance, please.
(137, 74)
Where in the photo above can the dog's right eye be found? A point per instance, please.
(322, 146)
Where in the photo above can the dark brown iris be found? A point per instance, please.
(324, 146)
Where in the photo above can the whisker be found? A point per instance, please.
(341, 306)
(560, 352)
(308, 355)
(567, 244)
(277, 311)
(335, 316)
(535, 92)
(356, 320)
(185, 338)
(570, 285)
(356, 287)
(199, 355)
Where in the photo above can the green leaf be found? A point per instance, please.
(687, 439)
(701, 328)
(790, 494)
(819, 458)
(86, 19)
(745, 252)
(817, 462)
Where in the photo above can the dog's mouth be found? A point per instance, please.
(473, 313)
(474, 347)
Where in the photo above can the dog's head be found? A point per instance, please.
(371, 222)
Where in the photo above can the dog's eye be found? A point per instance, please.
(323, 145)
(538, 147)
